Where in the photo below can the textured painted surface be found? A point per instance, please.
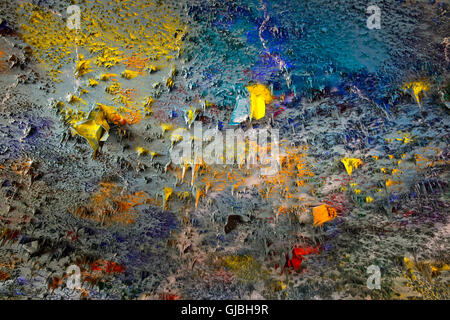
(88, 118)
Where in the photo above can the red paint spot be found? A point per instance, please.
(11, 235)
(72, 235)
(54, 283)
(107, 266)
(337, 201)
(278, 112)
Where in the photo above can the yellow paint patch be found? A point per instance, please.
(165, 127)
(106, 76)
(94, 129)
(156, 34)
(93, 82)
(141, 151)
